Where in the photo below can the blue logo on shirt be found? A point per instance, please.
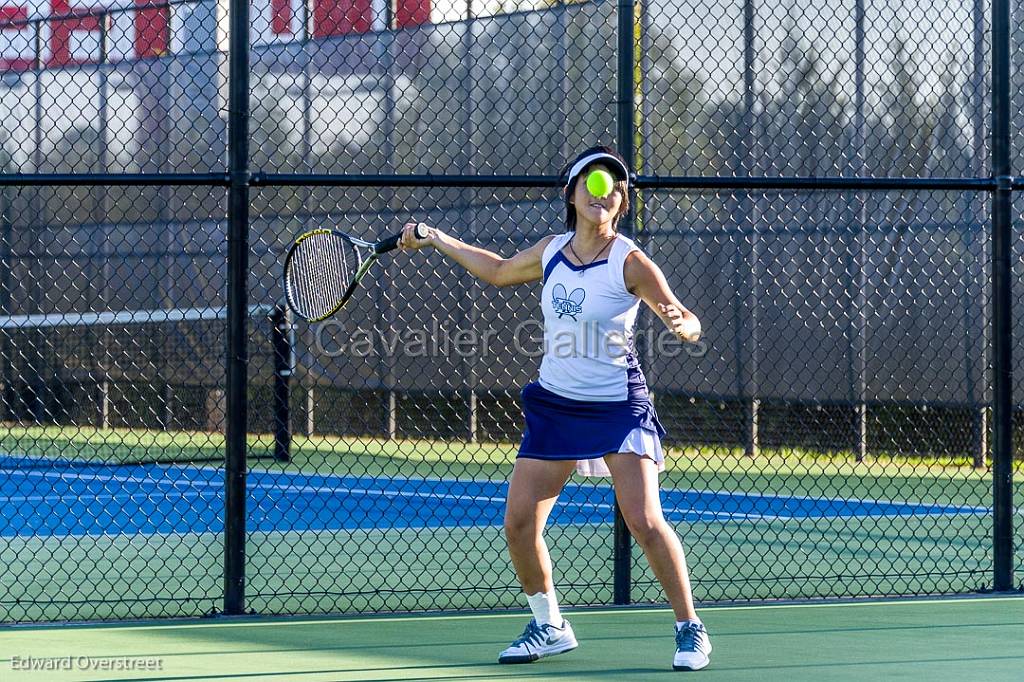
(567, 304)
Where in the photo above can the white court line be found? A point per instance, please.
(600, 506)
(102, 497)
(218, 486)
(366, 619)
(695, 491)
(672, 514)
(315, 489)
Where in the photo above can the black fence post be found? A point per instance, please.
(7, 390)
(281, 337)
(626, 131)
(748, 215)
(238, 276)
(858, 332)
(1002, 354)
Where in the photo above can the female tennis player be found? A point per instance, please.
(590, 409)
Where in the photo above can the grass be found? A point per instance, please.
(452, 568)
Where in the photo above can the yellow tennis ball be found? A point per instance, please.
(600, 183)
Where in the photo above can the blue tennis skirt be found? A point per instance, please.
(562, 428)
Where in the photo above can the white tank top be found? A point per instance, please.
(589, 317)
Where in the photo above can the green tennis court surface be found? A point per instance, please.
(954, 639)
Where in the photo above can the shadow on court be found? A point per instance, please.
(965, 639)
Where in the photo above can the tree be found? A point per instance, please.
(674, 102)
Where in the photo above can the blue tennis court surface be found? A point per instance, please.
(79, 500)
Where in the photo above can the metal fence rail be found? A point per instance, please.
(831, 189)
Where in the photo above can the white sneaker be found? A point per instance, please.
(539, 641)
(693, 648)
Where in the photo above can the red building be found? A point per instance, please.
(69, 32)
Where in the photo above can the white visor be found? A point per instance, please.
(617, 167)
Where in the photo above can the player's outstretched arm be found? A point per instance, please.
(646, 280)
(488, 266)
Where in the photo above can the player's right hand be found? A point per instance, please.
(409, 239)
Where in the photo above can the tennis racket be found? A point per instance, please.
(323, 269)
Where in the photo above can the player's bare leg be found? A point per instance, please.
(532, 493)
(636, 490)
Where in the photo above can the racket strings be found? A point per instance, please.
(319, 274)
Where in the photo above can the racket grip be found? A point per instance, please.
(391, 243)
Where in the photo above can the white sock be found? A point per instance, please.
(681, 623)
(545, 608)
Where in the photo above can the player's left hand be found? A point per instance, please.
(684, 324)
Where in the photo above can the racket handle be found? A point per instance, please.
(391, 243)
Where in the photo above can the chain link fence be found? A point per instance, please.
(819, 184)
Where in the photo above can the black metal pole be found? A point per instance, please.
(468, 314)
(283, 363)
(1002, 360)
(622, 543)
(703, 183)
(975, 303)
(238, 273)
(858, 337)
(6, 231)
(749, 377)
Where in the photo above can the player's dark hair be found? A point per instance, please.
(619, 185)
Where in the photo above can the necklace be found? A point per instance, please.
(586, 265)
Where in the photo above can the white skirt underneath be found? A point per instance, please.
(640, 441)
